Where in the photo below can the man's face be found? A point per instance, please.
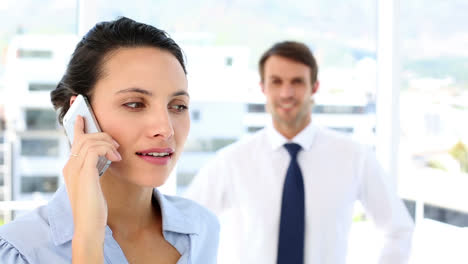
(288, 90)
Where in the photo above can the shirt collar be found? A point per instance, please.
(173, 218)
(305, 138)
(61, 218)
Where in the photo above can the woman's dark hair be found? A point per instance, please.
(85, 66)
(292, 50)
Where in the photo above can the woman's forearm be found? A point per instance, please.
(88, 250)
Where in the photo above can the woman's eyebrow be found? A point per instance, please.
(135, 90)
(180, 93)
(146, 92)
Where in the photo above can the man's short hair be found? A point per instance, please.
(292, 50)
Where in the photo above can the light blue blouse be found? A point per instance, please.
(44, 235)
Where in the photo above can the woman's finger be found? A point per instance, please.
(78, 128)
(82, 139)
(91, 150)
(100, 148)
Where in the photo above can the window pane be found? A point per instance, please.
(34, 54)
(195, 115)
(434, 108)
(40, 147)
(342, 109)
(346, 130)
(31, 184)
(42, 86)
(252, 129)
(184, 179)
(207, 145)
(256, 108)
(41, 119)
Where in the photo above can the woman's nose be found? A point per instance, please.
(161, 125)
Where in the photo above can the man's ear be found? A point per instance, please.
(72, 99)
(315, 87)
(262, 86)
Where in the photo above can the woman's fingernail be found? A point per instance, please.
(116, 144)
(117, 154)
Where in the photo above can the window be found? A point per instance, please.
(40, 147)
(446, 215)
(195, 115)
(347, 130)
(184, 178)
(433, 109)
(229, 61)
(219, 143)
(34, 54)
(42, 86)
(256, 108)
(41, 119)
(252, 129)
(339, 109)
(46, 184)
(207, 145)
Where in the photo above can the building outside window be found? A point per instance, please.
(39, 184)
(223, 45)
(41, 119)
(39, 147)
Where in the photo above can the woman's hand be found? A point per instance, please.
(84, 191)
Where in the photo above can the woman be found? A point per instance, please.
(135, 78)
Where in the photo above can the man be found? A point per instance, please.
(293, 185)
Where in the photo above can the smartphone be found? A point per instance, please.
(82, 107)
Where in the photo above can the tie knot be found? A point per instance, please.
(293, 149)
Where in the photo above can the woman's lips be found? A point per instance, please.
(156, 160)
(158, 156)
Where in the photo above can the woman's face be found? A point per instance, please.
(141, 101)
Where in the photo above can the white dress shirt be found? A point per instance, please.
(248, 177)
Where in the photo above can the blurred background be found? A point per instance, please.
(393, 75)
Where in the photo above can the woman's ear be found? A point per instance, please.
(72, 99)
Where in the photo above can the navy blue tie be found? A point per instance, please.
(291, 233)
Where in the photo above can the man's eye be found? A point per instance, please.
(134, 105)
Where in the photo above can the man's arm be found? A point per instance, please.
(388, 212)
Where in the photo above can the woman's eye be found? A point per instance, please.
(179, 108)
(134, 105)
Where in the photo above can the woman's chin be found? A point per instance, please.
(150, 178)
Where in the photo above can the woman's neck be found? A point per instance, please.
(130, 208)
